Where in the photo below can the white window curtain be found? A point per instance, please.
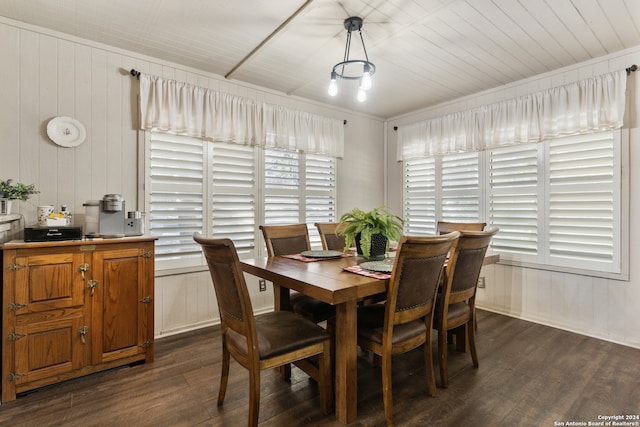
(590, 105)
(183, 109)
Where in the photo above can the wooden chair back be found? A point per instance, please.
(286, 239)
(234, 303)
(329, 237)
(464, 265)
(444, 227)
(414, 281)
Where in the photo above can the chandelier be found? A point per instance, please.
(353, 69)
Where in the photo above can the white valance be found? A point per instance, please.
(594, 104)
(183, 109)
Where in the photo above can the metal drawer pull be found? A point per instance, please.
(82, 332)
(92, 284)
(82, 268)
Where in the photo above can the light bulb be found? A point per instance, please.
(365, 81)
(362, 95)
(333, 84)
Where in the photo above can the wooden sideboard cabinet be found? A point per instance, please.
(74, 308)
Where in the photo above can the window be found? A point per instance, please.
(442, 188)
(228, 190)
(559, 204)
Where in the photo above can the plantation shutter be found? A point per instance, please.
(282, 187)
(233, 195)
(175, 197)
(584, 198)
(514, 206)
(320, 193)
(420, 196)
(460, 188)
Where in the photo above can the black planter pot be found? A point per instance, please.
(378, 246)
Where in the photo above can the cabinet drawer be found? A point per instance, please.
(46, 282)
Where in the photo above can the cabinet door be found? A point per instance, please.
(49, 347)
(49, 281)
(121, 304)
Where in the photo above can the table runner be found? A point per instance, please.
(359, 270)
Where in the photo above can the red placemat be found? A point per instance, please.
(359, 270)
(302, 258)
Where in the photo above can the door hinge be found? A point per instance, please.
(15, 336)
(147, 254)
(146, 299)
(15, 376)
(14, 306)
(15, 267)
(146, 344)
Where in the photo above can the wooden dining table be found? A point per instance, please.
(326, 280)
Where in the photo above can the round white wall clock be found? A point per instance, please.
(66, 131)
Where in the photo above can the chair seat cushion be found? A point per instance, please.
(459, 309)
(458, 314)
(311, 308)
(280, 332)
(371, 323)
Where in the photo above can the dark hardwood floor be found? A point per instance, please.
(529, 375)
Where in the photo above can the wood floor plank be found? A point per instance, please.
(529, 374)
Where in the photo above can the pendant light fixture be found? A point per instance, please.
(353, 69)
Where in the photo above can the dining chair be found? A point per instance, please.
(265, 341)
(443, 227)
(455, 307)
(293, 239)
(331, 241)
(404, 321)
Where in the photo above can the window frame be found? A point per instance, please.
(543, 259)
(259, 155)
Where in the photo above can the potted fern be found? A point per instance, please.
(370, 231)
(17, 191)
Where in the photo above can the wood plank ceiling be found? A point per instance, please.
(426, 51)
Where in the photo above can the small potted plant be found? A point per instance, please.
(371, 231)
(17, 191)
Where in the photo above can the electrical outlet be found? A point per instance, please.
(262, 285)
(481, 282)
